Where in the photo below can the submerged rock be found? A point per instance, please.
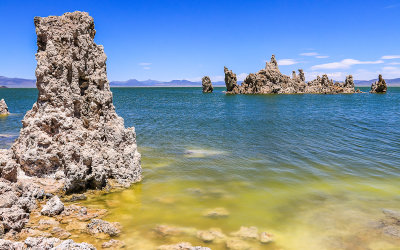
(247, 233)
(237, 244)
(271, 81)
(211, 235)
(390, 224)
(216, 212)
(3, 108)
(73, 127)
(114, 244)
(207, 85)
(182, 246)
(53, 207)
(379, 86)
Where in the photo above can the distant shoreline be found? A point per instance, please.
(395, 86)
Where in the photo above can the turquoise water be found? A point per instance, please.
(314, 170)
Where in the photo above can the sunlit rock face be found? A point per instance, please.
(379, 86)
(271, 81)
(73, 131)
(207, 85)
(3, 108)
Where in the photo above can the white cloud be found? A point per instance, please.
(241, 76)
(394, 63)
(337, 76)
(344, 64)
(284, 62)
(309, 54)
(390, 57)
(144, 64)
(146, 68)
(314, 54)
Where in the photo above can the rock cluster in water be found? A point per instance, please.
(271, 81)
(73, 131)
(207, 85)
(3, 108)
(379, 86)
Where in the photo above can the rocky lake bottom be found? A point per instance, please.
(307, 171)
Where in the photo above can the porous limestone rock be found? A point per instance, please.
(3, 108)
(53, 207)
(271, 81)
(207, 85)
(73, 129)
(8, 166)
(231, 81)
(379, 86)
(17, 200)
(54, 243)
(97, 226)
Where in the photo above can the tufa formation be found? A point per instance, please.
(207, 85)
(379, 86)
(72, 132)
(271, 81)
(3, 108)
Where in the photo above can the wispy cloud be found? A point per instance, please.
(394, 63)
(284, 62)
(309, 54)
(145, 65)
(314, 54)
(390, 57)
(344, 64)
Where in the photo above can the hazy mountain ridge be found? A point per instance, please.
(391, 82)
(29, 83)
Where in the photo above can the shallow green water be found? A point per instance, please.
(314, 170)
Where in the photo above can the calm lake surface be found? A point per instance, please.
(313, 170)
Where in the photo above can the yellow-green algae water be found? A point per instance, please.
(313, 170)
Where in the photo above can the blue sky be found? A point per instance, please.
(188, 39)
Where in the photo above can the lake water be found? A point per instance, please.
(313, 170)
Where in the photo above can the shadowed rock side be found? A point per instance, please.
(231, 81)
(3, 108)
(72, 132)
(271, 81)
(207, 85)
(379, 86)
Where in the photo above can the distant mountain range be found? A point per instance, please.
(28, 83)
(390, 82)
(155, 83)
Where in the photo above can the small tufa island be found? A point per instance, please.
(271, 81)
(379, 86)
(3, 108)
(207, 85)
(71, 140)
